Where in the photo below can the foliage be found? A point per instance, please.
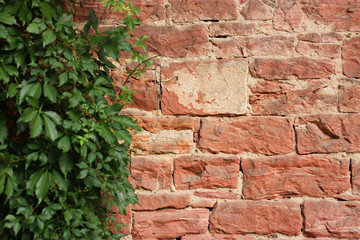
(62, 140)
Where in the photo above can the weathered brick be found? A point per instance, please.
(217, 195)
(203, 203)
(197, 171)
(176, 41)
(349, 98)
(331, 37)
(155, 124)
(162, 200)
(292, 68)
(351, 57)
(310, 37)
(355, 171)
(256, 10)
(326, 133)
(151, 173)
(232, 29)
(198, 88)
(288, 176)
(169, 224)
(165, 141)
(315, 49)
(268, 136)
(288, 16)
(316, 97)
(195, 10)
(228, 47)
(215, 237)
(270, 87)
(273, 45)
(261, 217)
(325, 218)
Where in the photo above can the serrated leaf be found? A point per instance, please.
(40, 223)
(7, 19)
(23, 92)
(68, 216)
(16, 228)
(83, 173)
(3, 32)
(105, 133)
(60, 181)
(50, 128)
(36, 26)
(126, 121)
(9, 190)
(42, 186)
(82, 165)
(2, 183)
(3, 130)
(66, 163)
(47, 10)
(48, 37)
(50, 92)
(34, 178)
(113, 109)
(64, 143)
(28, 115)
(122, 134)
(12, 90)
(93, 20)
(63, 77)
(35, 90)
(36, 126)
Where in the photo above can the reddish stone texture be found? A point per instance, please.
(165, 141)
(195, 10)
(310, 37)
(316, 97)
(155, 124)
(162, 200)
(331, 37)
(355, 171)
(169, 224)
(232, 29)
(217, 195)
(268, 136)
(204, 203)
(286, 176)
(351, 56)
(315, 49)
(200, 88)
(326, 133)
(325, 218)
(197, 171)
(259, 217)
(292, 68)
(270, 87)
(125, 219)
(256, 10)
(215, 237)
(151, 11)
(288, 16)
(228, 48)
(176, 41)
(151, 172)
(349, 98)
(273, 45)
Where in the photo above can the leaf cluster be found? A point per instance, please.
(64, 148)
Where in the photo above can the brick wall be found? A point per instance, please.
(251, 119)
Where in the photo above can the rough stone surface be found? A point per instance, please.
(162, 200)
(286, 176)
(355, 169)
(228, 48)
(125, 219)
(217, 195)
(326, 133)
(261, 87)
(176, 41)
(215, 237)
(155, 124)
(151, 172)
(310, 37)
(315, 49)
(204, 203)
(292, 68)
(273, 45)
(349, 98)
(256, 10)
(232, 29)
(169, 224)
(351, 56)
(197, 171)
(268, 136)
(317, 96)
(325, 218)
(261, 217)
(194, 10)
(201, 88)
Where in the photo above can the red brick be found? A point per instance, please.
(256, 10)
(259, 217)
(155, 124)
(292, 68)
(288, 16)
(315, 49)
(293, 176)
(351, 57)
(316, 97)
(250, 134)
(232, 29)
(349, 98)
(176, 41)
(162, 200)
(169, 223)
(331, 37)
(273, 45)
(215, 237)
(310, 37)
(194, 10)
(197, 171)
(203, 203)
(200, 88)
(270, 87)
(325, 218)
(151, 172)
(355, 171)
(217, 195)
(228, 48)
(326, 133)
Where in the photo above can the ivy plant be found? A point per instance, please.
(64, 147)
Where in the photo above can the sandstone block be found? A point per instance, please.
(169, 224)
(310, 37)
(270, 136)
(355, 170)
(232, 29)
(155, 124)
(286, 176)
(349, 98)
(215, 237)
(325, 218)
(217, 195)
(326, 133)
(292, 68)
(351, 56)
(201, 88)
(203, 203)
(273, 45)
(261, 87)
(228, 48)
(259, 217)
(156, 201)
(256, 10)
(316, 49)
(197, 171)
(151, 172)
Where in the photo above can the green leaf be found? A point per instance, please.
(48, 37)
(3, 32)
(12, 90)
(50, 92)
(82, 165)
(36, 26)
(83, 173)
(16, 228)
(50, 129)
(125, 121)
(122, 134)
(54, 116)
(42, 186)
(64, 143)
(47, 10)
(35, 90)
(93, 20)
(9, 190)
(36, 126)
(105, 132)
(60, 181)
(28, 115)
(2, 183)
(3, 130)
(68, 216)
(7, 19)
(24, 91)
(63, 77)
(66, 163)
(33, 180)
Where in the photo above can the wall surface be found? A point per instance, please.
(251, 119)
